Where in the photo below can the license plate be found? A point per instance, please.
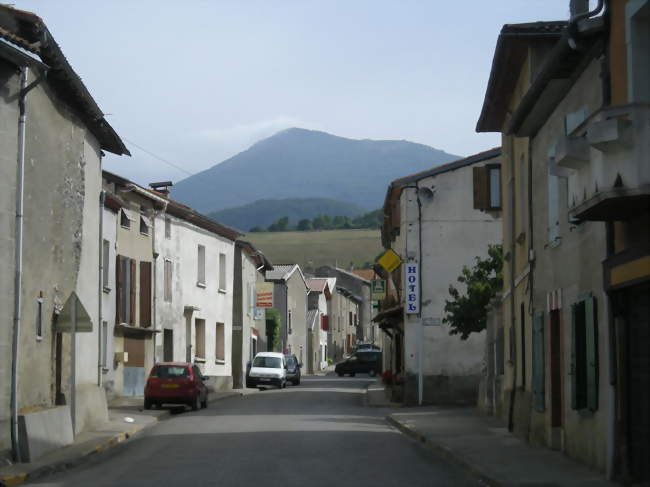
(264, 380)
(170, 386)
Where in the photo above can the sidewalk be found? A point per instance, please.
(126, 418)
(483, 446)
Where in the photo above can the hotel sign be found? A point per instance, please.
(412, 287)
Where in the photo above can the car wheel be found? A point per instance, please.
(352, 374)
(260, 388)
(340, 374)
(204, 403)
(147, 403)
(372, 373)
(196, 404)
(296, 382)
(283, 385)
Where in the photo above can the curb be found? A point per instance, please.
(102, 448)
(445, 453)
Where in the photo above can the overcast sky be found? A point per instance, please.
(195, 82)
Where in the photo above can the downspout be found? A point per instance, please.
(18, 262)
(511, 208)
(100, 286)
(572, 28)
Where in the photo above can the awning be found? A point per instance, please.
(389, 319)
(130, 330)
(128, 214)
(146, 220)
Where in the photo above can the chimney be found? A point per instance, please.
(162, 187)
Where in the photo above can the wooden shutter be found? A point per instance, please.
(574, 366)
(119, 294)
(145, 294)
(591, 336)
(538, 361)
(132, 292)
(325, 322)
(481, 188)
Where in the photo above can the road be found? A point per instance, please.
(316, 434)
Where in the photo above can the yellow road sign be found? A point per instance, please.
(389, 260)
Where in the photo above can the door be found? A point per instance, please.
(168, 345)
(134, 367)
(637, 371)
(556, 368)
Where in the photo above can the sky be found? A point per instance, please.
(194, 82)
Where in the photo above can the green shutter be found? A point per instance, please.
(572, 369)
(591, 336)
(538, 361)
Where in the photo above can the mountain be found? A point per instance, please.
(299, 163)
(265, 212)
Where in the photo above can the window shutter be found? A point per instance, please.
(538, 361)
(591, 335)
(145, 294)
(132, 293)
(573, 365)
(481, 188)
(119, 294)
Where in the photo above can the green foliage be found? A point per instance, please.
(304, 225)
(466, 313)
(280, 225)
(257, 229)
(273, 330)
(372, 219)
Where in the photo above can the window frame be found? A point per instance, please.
(200, 266)
(222, 286)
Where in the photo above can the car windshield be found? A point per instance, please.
(267, 362)
(169, 372)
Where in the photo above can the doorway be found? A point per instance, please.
(556, 367)
(168, 345)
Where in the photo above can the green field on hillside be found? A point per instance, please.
(313, 249)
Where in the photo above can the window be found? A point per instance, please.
(220, 344)
(584, 355)
(125, 275)
(168, 281)
(200, 269)
(104, 355)
(39, 317)
(168, 227)
(199, 337)
(289, 322)
(145, 294)
(487, 187)
(106, 255)
(144, 225)
(523, 192)
(222, 273)
(125, 219)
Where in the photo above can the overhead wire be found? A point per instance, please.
(156, 156)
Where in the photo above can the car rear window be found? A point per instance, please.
(267, 362)
(170, 372)
(290, 360)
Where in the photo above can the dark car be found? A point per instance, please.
(293, 369)
(361, 362)
(176, 383)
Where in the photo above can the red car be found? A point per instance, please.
(176, 383)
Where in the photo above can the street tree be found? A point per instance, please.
(466, 312)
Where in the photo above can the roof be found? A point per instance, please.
(283, 272)
(317, 284)
(258, 257)
(175, 208)
(367, 274)
(395, 187)
(28, 32)
(510, 52)
(348, 294)
(351, 274)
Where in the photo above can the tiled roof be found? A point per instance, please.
(317, 284)
(280, 272)
(28, 31)
(367, 274)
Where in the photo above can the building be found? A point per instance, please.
(52, 134)
(249, 321)
(128, 326)
(572, 105)
(290, 292)
(438, 221)
(317, 323)
(193, 290)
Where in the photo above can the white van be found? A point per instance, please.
(267, 369)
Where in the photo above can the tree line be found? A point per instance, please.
(370, 220)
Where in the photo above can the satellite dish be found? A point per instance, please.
(426, 194)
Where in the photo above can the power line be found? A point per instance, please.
(155, 156)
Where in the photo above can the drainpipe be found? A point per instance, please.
(576, 17)
(100, 286)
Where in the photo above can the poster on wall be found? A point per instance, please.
(264, 294)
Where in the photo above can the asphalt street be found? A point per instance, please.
(316, 434)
